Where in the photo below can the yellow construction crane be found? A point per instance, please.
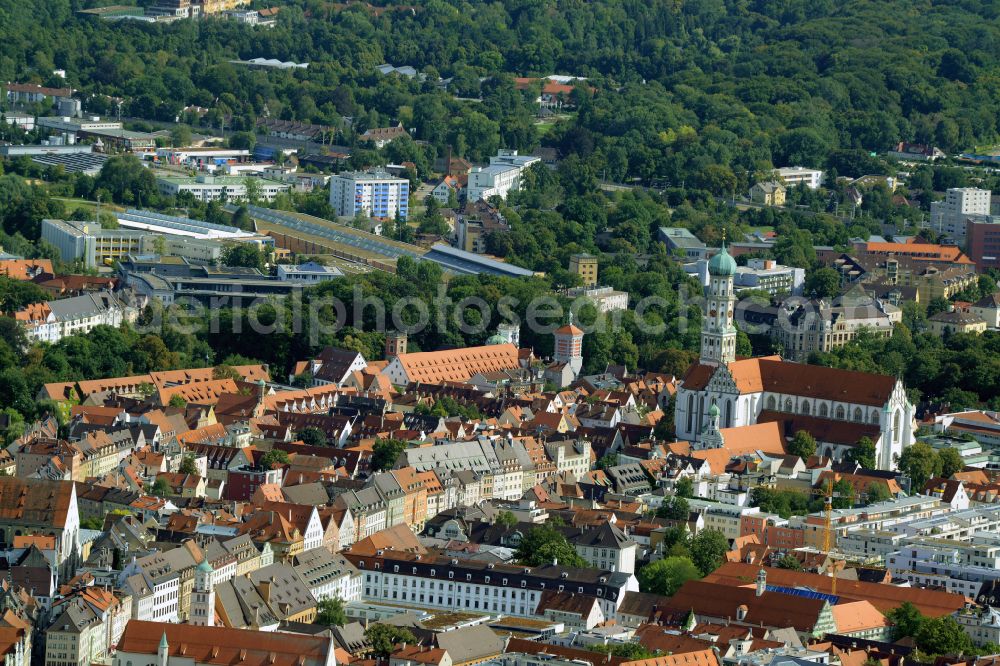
(826, 492)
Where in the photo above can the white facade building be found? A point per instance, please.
(78, 315)
(981, 624)
(792, 176)
(764, 274)
(605, 299)
(372, 194)
(958, 567)
(308, 273)
(437, 582)
(949, 216)
(501, 176)
(328, 576)
(218, 188)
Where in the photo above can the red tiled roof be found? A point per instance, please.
(223, 645)
(932, 603)
(824, 430)
(458, 365)
(33, 88)
(35, 500)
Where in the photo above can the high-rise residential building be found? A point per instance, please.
(949, 216)
(370, 193)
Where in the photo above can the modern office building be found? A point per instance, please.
(143, 232)
(370, 193)
(110, 133)
(89, 242)
(170, 279)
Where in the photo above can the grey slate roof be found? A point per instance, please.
(80, 307)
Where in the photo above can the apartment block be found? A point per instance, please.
(949, 216)
(796, 175)
(372, 194)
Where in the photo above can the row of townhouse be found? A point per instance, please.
(407, 495)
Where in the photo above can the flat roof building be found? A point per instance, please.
(371, 193)
(216, 188)
(792, 176)
(681, 240)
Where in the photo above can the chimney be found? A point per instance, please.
(761, 582)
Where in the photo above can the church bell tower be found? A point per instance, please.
(718, 333)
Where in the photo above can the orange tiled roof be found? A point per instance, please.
(921, 251)
(207, 392)
(24, 269)
(857, 616)
(33, 312)
(210, 433)
(39, 541)
(458, 365)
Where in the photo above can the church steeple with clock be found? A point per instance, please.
(718, 333)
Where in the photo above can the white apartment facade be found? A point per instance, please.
(437, 582)
(958, 567)
(328, 576)
(80, 314)
(375, 194)
(949, 216)
(982, 624)
(605, 299)
(795, 175)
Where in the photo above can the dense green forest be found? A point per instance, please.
(706, 92)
